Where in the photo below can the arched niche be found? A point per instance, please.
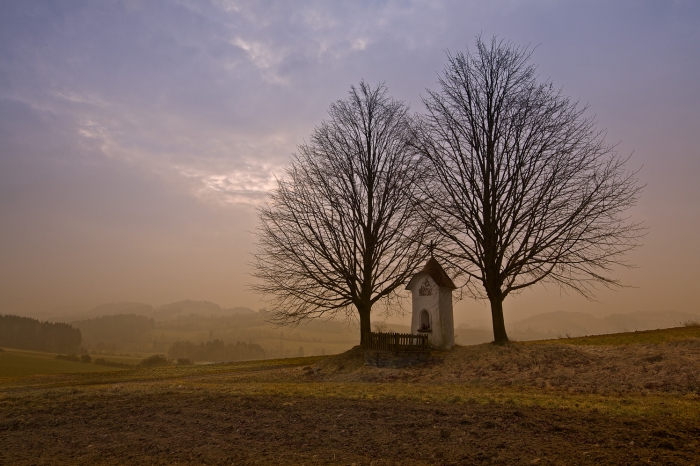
(425, 324)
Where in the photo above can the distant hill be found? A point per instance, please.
(121, 328)
(240, 310)
(165, 312)
(190, 307)
(120, 308)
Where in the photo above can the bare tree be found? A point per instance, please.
(524, 188)
(341, 233)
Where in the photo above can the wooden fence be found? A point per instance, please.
(396, 341)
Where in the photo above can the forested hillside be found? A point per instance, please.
(216, 351)
(120, 330)
(28, 333)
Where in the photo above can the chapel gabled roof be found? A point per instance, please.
(436, 272)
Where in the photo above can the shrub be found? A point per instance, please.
(692, 323)
(216, 350)
(184, 362)
(157, 360)
(68, 357)
(85, 358)
(104, 362)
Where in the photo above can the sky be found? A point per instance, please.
(138, 137)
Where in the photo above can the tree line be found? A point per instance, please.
(123, 328)
(216, 351)
(27, 333)
(507, 178)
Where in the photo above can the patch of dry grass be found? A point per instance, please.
(21, 363)
(687, 407)
(658, 379)
(287, 378)
(644, 369)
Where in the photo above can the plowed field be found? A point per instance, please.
(553, 403)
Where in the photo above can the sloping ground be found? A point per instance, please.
(664, 335)
(17, 363)
(543, 403)
(671, 366)
(205, 427)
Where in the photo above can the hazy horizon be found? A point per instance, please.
(136, 138)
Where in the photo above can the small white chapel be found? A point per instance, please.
(431, 291)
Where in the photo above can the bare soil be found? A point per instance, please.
(195, 429)
(278, 412)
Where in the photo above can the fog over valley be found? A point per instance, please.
(140, 329)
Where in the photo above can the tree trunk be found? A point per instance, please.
(499, 327)
(365, 326)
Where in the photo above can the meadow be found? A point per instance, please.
(315, 338)
(18, 363)
(615, 399)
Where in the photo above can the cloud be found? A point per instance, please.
(219, 94)
(122, 123)
(264, 58)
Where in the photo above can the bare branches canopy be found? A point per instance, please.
(510, 174)
(341, 232)
(525, 189)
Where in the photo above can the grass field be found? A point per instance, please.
(275, 341)
(133, 360)
(19, 363)
(613, 399)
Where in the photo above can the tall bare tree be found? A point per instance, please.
(341, 233)
(524, 188)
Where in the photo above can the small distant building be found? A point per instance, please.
(431, 290)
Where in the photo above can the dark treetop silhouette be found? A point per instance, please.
(524, 188)
(28, 333)
(341, 232)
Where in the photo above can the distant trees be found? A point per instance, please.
(107, 363)
(341, 232)
(122, 328)
(524, 189)
(156, 360)
(27, 333)
(216, 350)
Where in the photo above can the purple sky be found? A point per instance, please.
(136, 137)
